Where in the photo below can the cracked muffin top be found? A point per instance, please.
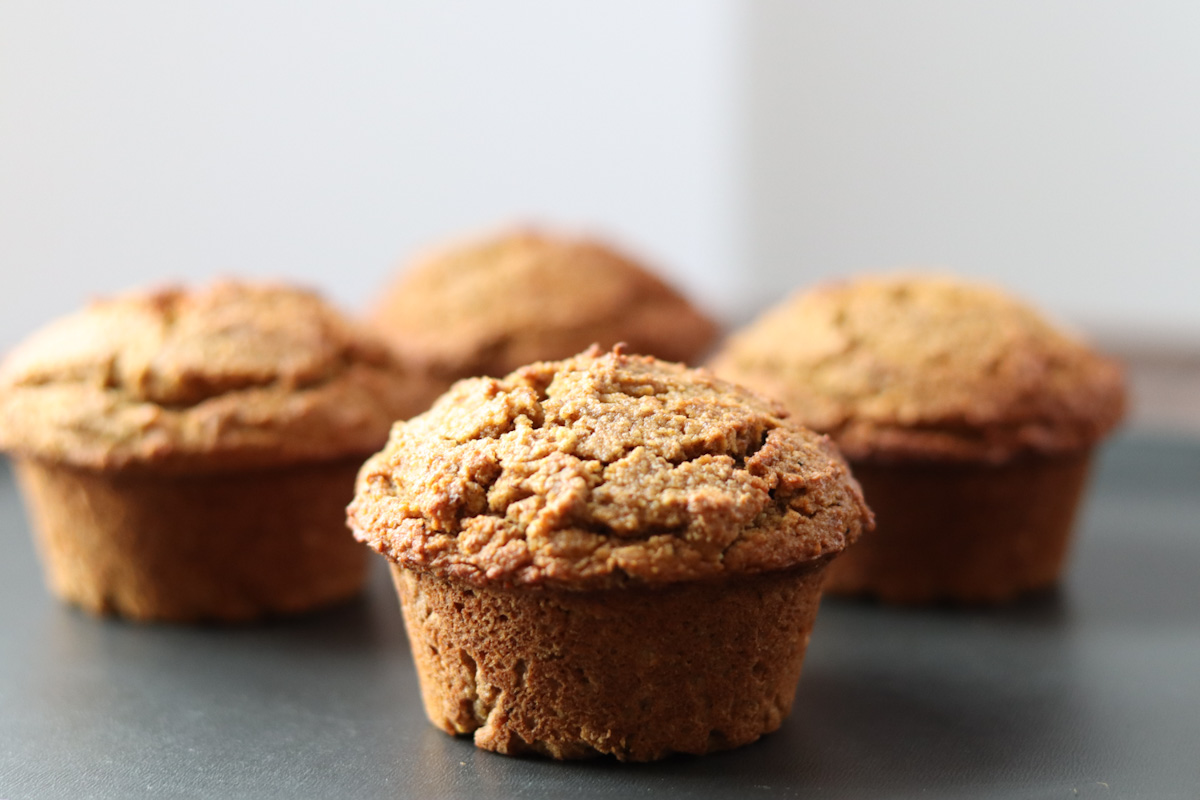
(488, 306)
(603, 470)
(919, 366)
(235, 375)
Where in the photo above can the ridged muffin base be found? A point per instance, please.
(962, 533)
(634, 672)
(229, 546)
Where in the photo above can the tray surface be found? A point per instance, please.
(1092, 690)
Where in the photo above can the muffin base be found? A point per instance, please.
(963, 533)
(227, 546)
(638, 673)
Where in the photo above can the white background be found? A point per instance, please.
(143, 141)
(745, 148)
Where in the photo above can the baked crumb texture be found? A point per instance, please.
(488, 306)
(603, 469)
(607, 555)
(920, 366)
(234, 376)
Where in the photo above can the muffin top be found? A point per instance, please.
(488, 306)
(913, 367)
(602, 470)
(231, 376)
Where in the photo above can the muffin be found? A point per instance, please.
(488, 306)
(188, 455)
(968, 419)
(607, 555)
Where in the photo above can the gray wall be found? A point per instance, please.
(1050, 146)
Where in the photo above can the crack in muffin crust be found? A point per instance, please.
(601, 470)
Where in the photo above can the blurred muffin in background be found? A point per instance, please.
(187, 455)
(489, 305)
(968, 419)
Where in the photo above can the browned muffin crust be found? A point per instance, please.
(600, 470)
(486, 307)
(232, 376)
(922, 366)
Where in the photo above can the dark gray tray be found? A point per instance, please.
(1090, 691)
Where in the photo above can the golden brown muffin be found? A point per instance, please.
(607, 555)
(968, 419)
(488, 306)
(186, 455)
